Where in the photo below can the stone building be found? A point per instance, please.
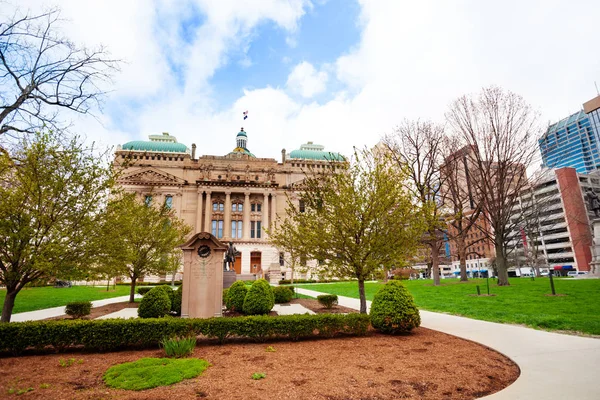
(235, 196)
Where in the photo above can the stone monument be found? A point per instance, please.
(594, 205)
(274, 274)
(202, 295)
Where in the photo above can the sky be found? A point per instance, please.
(340, 73)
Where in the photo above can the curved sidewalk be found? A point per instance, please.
(553, 366)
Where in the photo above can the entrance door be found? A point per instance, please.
(237, 265)
(255, 263)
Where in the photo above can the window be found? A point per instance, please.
(255, 229)
(281, 259)
(169, 202)
(234, 207)
(236, 229)
(217, 228)
(218, 206)
(148, 200)
(258, 206)
(252, 207)
(301, 206)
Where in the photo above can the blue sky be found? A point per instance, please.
(341, 73)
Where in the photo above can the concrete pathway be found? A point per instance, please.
(125, 313)
(553, 366)
(59, 311)
(291, 309)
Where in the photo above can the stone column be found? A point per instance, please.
(227, 219)
(208, 212)
(246, 233)
(273, 210)
(199, 212)
(265, 216)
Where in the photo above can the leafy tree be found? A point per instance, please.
(51, 191)
(357, 218)
(42, 72)
(140, 239)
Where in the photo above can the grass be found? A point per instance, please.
(148, 373)
(523, 302)
(38, 298)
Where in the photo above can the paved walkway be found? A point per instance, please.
(553, 366)
(58, 311)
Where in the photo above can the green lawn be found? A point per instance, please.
(523, 302)
(30, 299)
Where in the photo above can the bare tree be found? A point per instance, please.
(501, 128)
(416, 146)
(460, 205)
(42, 72)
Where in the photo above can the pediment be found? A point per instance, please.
(151, 176)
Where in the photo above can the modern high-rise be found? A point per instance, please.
(574, 141)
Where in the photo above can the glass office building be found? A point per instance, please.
(573, 142)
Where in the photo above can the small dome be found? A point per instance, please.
(242, 133)
(311, 151)
(159, 147)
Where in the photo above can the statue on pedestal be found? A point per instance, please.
(230, 255)
(593, 201)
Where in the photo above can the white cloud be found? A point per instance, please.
(306, 80)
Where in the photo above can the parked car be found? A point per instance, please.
(576, 273)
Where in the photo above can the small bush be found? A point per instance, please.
(78, 309)
(225, 291)
(260, 298)
(155, 304)
(282, 294)
(259, 375)
(393, 309)
(179, 347)
(327, 300)
(143, 290)
(236, 295)
(176, 301)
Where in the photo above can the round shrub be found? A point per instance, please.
(283, 294)
(225, 291)
(78, 309)
(143, 290)
(260, 298)
(235, 296)
(393, 309)
(176, 301)
(327, 300)
(155, 304)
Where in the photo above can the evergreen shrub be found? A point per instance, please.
(393, 309)
(156, 303)
(78, 309)
(143, 290)
(283, 294)
(176, 301)
(115, 334)
(327, 300)
(259, 299)
(235, 296)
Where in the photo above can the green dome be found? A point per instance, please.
(310, 151)
(242, 133)
(159, 147)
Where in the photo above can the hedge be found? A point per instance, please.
(299, 281)
(114, 334)
(138, 283)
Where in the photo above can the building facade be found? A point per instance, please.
(552, 221)
(574, 141)
(237, 197)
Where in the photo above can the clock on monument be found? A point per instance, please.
(204, 251)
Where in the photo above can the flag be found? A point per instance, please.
(245, 114)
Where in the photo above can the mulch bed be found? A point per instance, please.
(104, 310)
(316, 307)
(422, 365)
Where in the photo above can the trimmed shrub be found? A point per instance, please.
(235, 296)
(327, 300)
(393, 309)
(259, 299)
(143, 290)
(282, 294)
(78, 309)
(225, 292)
(155, 304)
(176, 301)
(115, 334)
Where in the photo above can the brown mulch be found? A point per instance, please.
(314, 306)
(101, 311)
(422, 365)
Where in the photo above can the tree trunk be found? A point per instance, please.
(132, 290)
(361, 294)
(501, 266)
(107, 284)
(9, 303)
(435, 262)
(462, 256)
